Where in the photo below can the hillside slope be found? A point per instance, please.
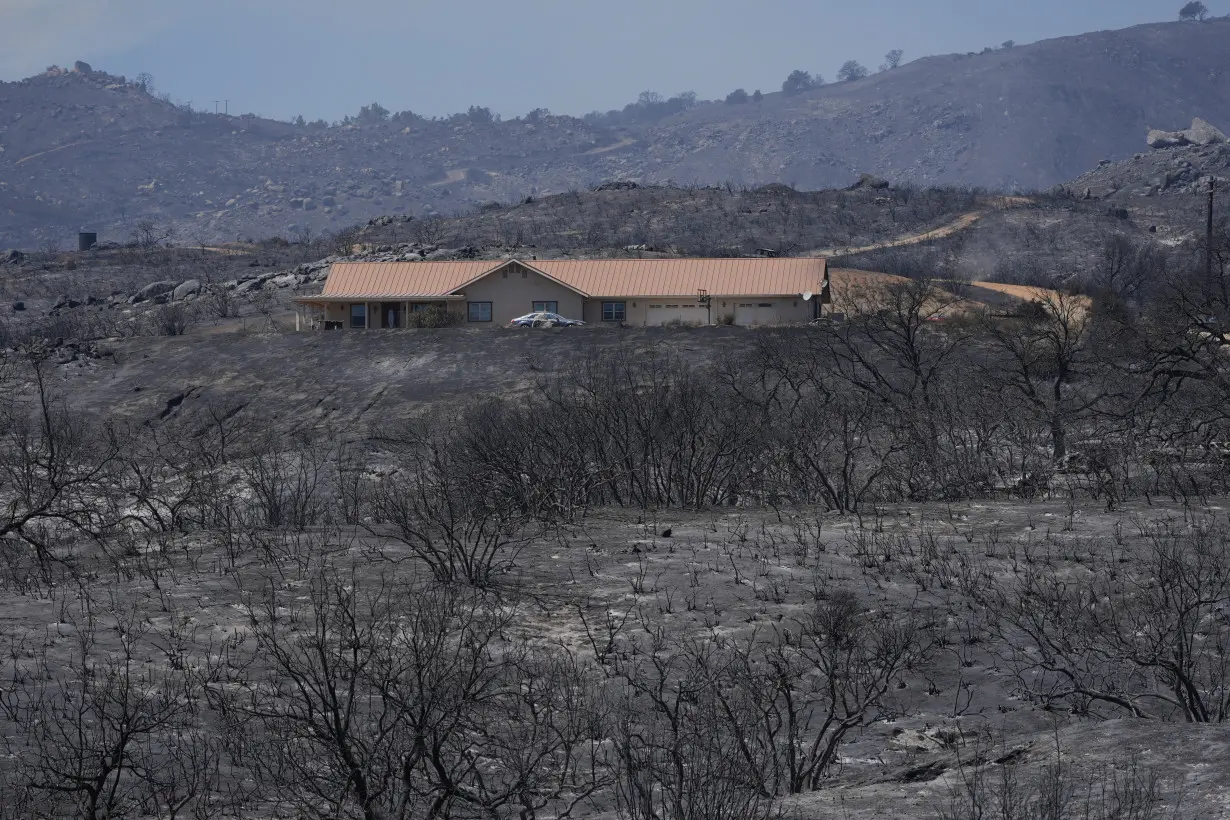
(1027, 117)
(89, 150)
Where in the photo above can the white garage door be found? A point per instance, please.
(663, 312)
(755, 313)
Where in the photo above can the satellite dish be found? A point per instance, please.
(807, 296)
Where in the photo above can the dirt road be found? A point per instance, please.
(959, 224)
(24, 160)
(606, 149)
(455, 175)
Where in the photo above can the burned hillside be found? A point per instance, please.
(691, 220)
(960, 550)
(951, 561)
(88, 149)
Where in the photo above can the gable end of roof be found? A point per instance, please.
(522, 264)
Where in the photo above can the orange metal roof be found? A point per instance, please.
(595, 278)
(400, 280)
(684, 277)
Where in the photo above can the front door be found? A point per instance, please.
(390, 315)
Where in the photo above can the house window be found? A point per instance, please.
(419, 307)
(479, 311)
(358, 316)
(546, 307)
(613, 311)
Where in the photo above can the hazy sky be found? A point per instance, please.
(325, 58)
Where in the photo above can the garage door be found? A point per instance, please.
(676, 312)
(755, 313)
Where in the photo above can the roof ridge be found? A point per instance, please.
(589, 278)
(621, 260)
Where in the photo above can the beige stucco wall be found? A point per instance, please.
(514, 295)
(338, 313)
(789, 311)
(634, 310)
(513, 291)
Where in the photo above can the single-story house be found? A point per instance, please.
(365, 295)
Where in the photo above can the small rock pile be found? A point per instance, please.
(618, 185)
(870, 181)
(301, 275)
(427, 253)
(417, 252)
(154, 292)
(386, 221)
(166, 291)
(59, 351)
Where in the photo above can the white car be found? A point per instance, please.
(544, 319)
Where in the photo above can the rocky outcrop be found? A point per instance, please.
(1180, 171)
(1165, 139)
(1201, 133)
(153, 290)
(190, 288)
(249, 286)
(871, 182)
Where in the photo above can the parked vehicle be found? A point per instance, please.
(544, 319)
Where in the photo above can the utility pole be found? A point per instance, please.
(1208, 235)
(216, 107)
(227, 109)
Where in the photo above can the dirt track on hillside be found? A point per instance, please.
(453, 176)
(606, 149)
(24, 160)
(961, 223)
